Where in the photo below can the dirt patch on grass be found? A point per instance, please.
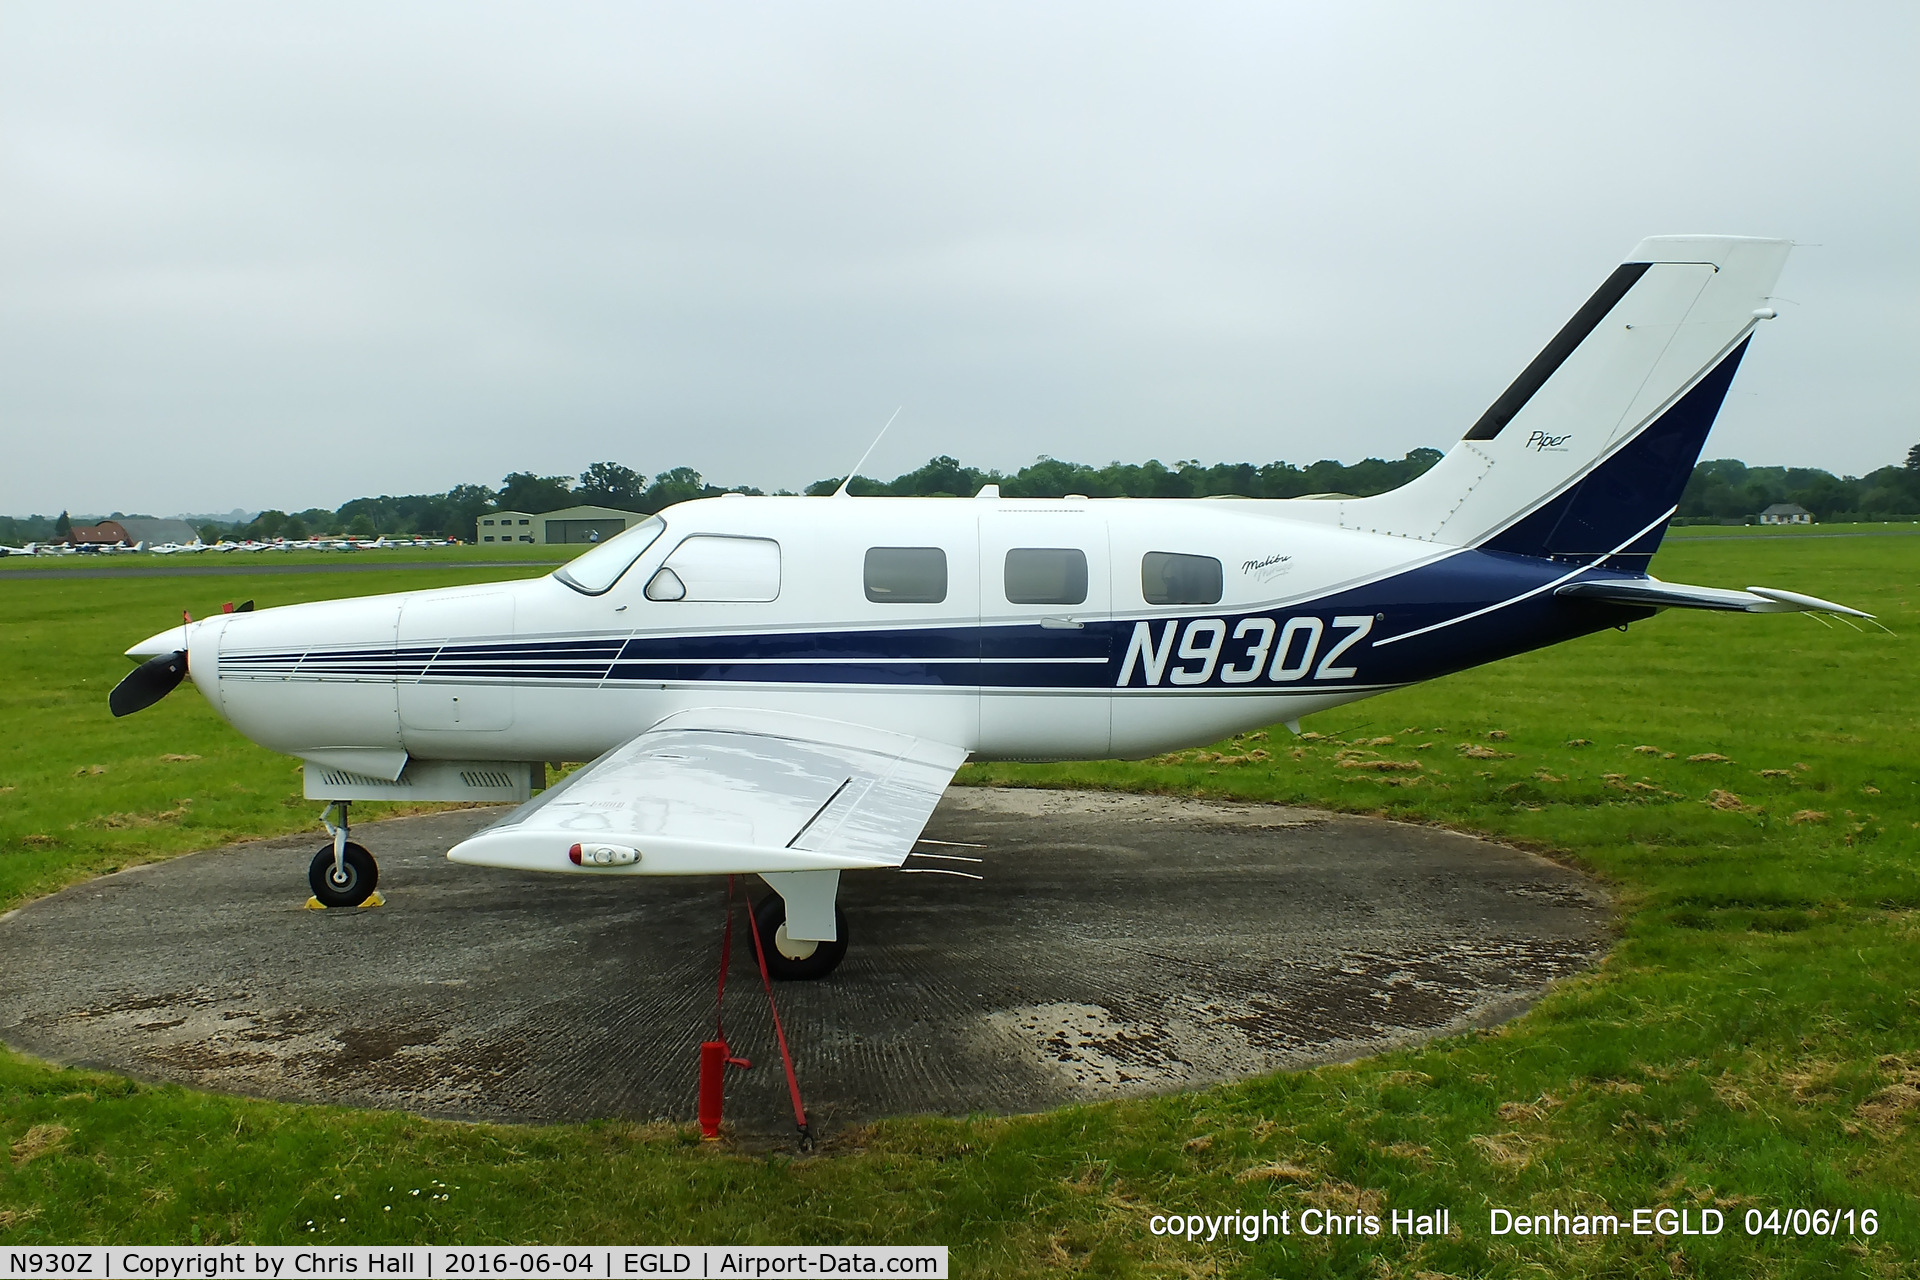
(1513, 1151)
(1888, 1109)
(38, 1141)
(1515, 1112)
(1811, 1079)
(124, 821)
(1276, 1171)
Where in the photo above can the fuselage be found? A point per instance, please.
(1015, 628)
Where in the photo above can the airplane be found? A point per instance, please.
(785, 686)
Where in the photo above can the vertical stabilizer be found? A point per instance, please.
(1587, 452)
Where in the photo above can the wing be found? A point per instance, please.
(730, 790)
(1653, 593)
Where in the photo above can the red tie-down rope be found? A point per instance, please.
(719, 1053)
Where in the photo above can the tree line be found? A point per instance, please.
(1730, 491)
(1720, 490)
(613, 484)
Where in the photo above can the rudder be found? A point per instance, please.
(1586, 453)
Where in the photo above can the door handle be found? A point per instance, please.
(1062, 624)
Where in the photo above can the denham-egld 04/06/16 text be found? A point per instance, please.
(1687, 1222)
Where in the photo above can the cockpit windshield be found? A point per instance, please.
(595, 572)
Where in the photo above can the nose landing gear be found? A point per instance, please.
(342, 874)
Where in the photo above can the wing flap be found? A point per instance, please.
(730, 790)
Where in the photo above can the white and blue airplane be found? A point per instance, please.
(785, 686)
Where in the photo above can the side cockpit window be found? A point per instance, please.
(1046, 575)
(1168, 577)
(707, 567)
(595, 572)
(906, 575)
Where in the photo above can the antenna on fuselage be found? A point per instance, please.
(841, 492)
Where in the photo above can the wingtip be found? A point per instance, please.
(1811, 604)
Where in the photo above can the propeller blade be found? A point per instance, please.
(147, 683)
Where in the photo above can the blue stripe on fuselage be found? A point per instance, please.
(1333, 642)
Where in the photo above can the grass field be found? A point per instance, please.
(1749, 786)
(1793, 530)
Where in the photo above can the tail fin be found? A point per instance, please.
(1586, 454)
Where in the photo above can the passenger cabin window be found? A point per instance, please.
(1046, 575)
(906, 575)
(1167, 577)
(708, 567)
(595, 572)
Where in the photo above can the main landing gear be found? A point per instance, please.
(343, 874)
(793, 959)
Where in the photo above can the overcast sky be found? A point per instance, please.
(284, 255)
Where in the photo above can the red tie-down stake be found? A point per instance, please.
(715, 1055)
(715, 1058)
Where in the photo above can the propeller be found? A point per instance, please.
(147, 683)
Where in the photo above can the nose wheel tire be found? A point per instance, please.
(789, 959)
(349, 886)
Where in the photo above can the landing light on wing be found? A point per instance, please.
(603, 855)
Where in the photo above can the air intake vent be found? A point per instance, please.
(341, 778)
(481, 781)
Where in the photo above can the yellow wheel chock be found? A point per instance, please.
(373, 900)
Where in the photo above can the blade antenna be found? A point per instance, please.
(841, 492)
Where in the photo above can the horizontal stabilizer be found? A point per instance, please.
(1655, 594)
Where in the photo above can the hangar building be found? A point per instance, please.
(134, 529)
(546, 528)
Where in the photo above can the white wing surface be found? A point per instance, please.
(730, 790)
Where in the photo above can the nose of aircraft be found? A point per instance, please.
(164, 664)
(168, 641)
(163, 668)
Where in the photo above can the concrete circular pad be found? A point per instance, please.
(1117, 945)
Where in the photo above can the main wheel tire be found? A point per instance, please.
(789, 960)
(359, 874)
